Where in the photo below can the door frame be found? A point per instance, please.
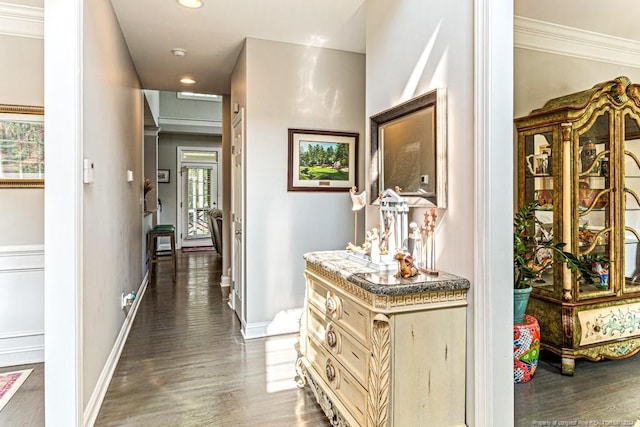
(179, 184)
(238, 294)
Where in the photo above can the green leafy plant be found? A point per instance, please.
(534, 254)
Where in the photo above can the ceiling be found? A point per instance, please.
(214, 34)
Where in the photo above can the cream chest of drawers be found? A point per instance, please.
(378, 351)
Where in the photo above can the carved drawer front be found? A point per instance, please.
(335, 377)
(340, 344)
(340, 309)
(317, 292)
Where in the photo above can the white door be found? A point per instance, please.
(197, 193)
(237, 215)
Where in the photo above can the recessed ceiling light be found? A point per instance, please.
(179, 51)
(187, 80)
(194, 4)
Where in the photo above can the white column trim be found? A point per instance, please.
(21, 21)
(63, 194)
(568, 41)
(491, 390)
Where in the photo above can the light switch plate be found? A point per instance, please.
(87, 171)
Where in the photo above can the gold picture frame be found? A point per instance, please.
(21, 129)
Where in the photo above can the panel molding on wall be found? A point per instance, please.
(21, 21)
(568, 41)
(21, 304)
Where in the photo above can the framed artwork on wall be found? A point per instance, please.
(21, 146)
(163, 175)
(322, 160)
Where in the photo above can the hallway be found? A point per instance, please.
(185, 362)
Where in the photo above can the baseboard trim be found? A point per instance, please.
(285, 322)
(23, 355)
(100, 390)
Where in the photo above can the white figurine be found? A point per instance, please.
(375, 246)
(415, 245)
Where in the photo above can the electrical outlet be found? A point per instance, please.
(424, 179)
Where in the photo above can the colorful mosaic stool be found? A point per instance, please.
(526, 349)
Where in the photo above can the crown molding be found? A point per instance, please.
(561, 40)
(21, 21)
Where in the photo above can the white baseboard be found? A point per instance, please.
(285, 322)
(100, 390)
(21, 348)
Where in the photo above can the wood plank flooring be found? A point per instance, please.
(599, 394)
(186, 364)
(26, 407)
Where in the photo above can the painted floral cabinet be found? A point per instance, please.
(579, 158)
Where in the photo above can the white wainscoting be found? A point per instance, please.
(21, 304)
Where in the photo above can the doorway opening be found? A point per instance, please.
(198, 191)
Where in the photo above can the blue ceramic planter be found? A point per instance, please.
(520, 301)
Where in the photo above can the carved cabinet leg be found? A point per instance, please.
(568, 365)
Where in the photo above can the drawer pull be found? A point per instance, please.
(331, 338)
(330, 371)
(332, 304)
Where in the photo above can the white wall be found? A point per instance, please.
(22, 210)
(112, 207)
(94, 235)
(541, 76)
(415, 46)
(291, 86)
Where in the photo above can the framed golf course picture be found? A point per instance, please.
(322, 160)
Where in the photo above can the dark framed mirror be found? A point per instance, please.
(408, 150)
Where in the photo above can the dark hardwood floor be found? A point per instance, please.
(598, 394)
(185, 364)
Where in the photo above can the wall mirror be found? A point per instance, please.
(408, 150)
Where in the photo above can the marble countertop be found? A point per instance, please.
(383, 283)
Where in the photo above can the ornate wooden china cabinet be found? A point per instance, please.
(579, 157)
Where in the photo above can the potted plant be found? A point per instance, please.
(533, 253)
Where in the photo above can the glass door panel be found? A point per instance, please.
(200, 194)
(631, 252)
(592, 197)
(538, 183)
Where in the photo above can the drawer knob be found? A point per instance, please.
(331, 338)
(331, 304)
(330, 371)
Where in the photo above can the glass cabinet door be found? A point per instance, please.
(593, 197)
(538, 186)
(631, 253)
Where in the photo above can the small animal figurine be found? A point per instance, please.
(406, 268)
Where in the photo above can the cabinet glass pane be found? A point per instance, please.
(539, 187)
(632, 206)
(593, 197)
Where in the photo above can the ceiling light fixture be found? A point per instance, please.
(179, 52)
(187, 80)
(193, 4)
